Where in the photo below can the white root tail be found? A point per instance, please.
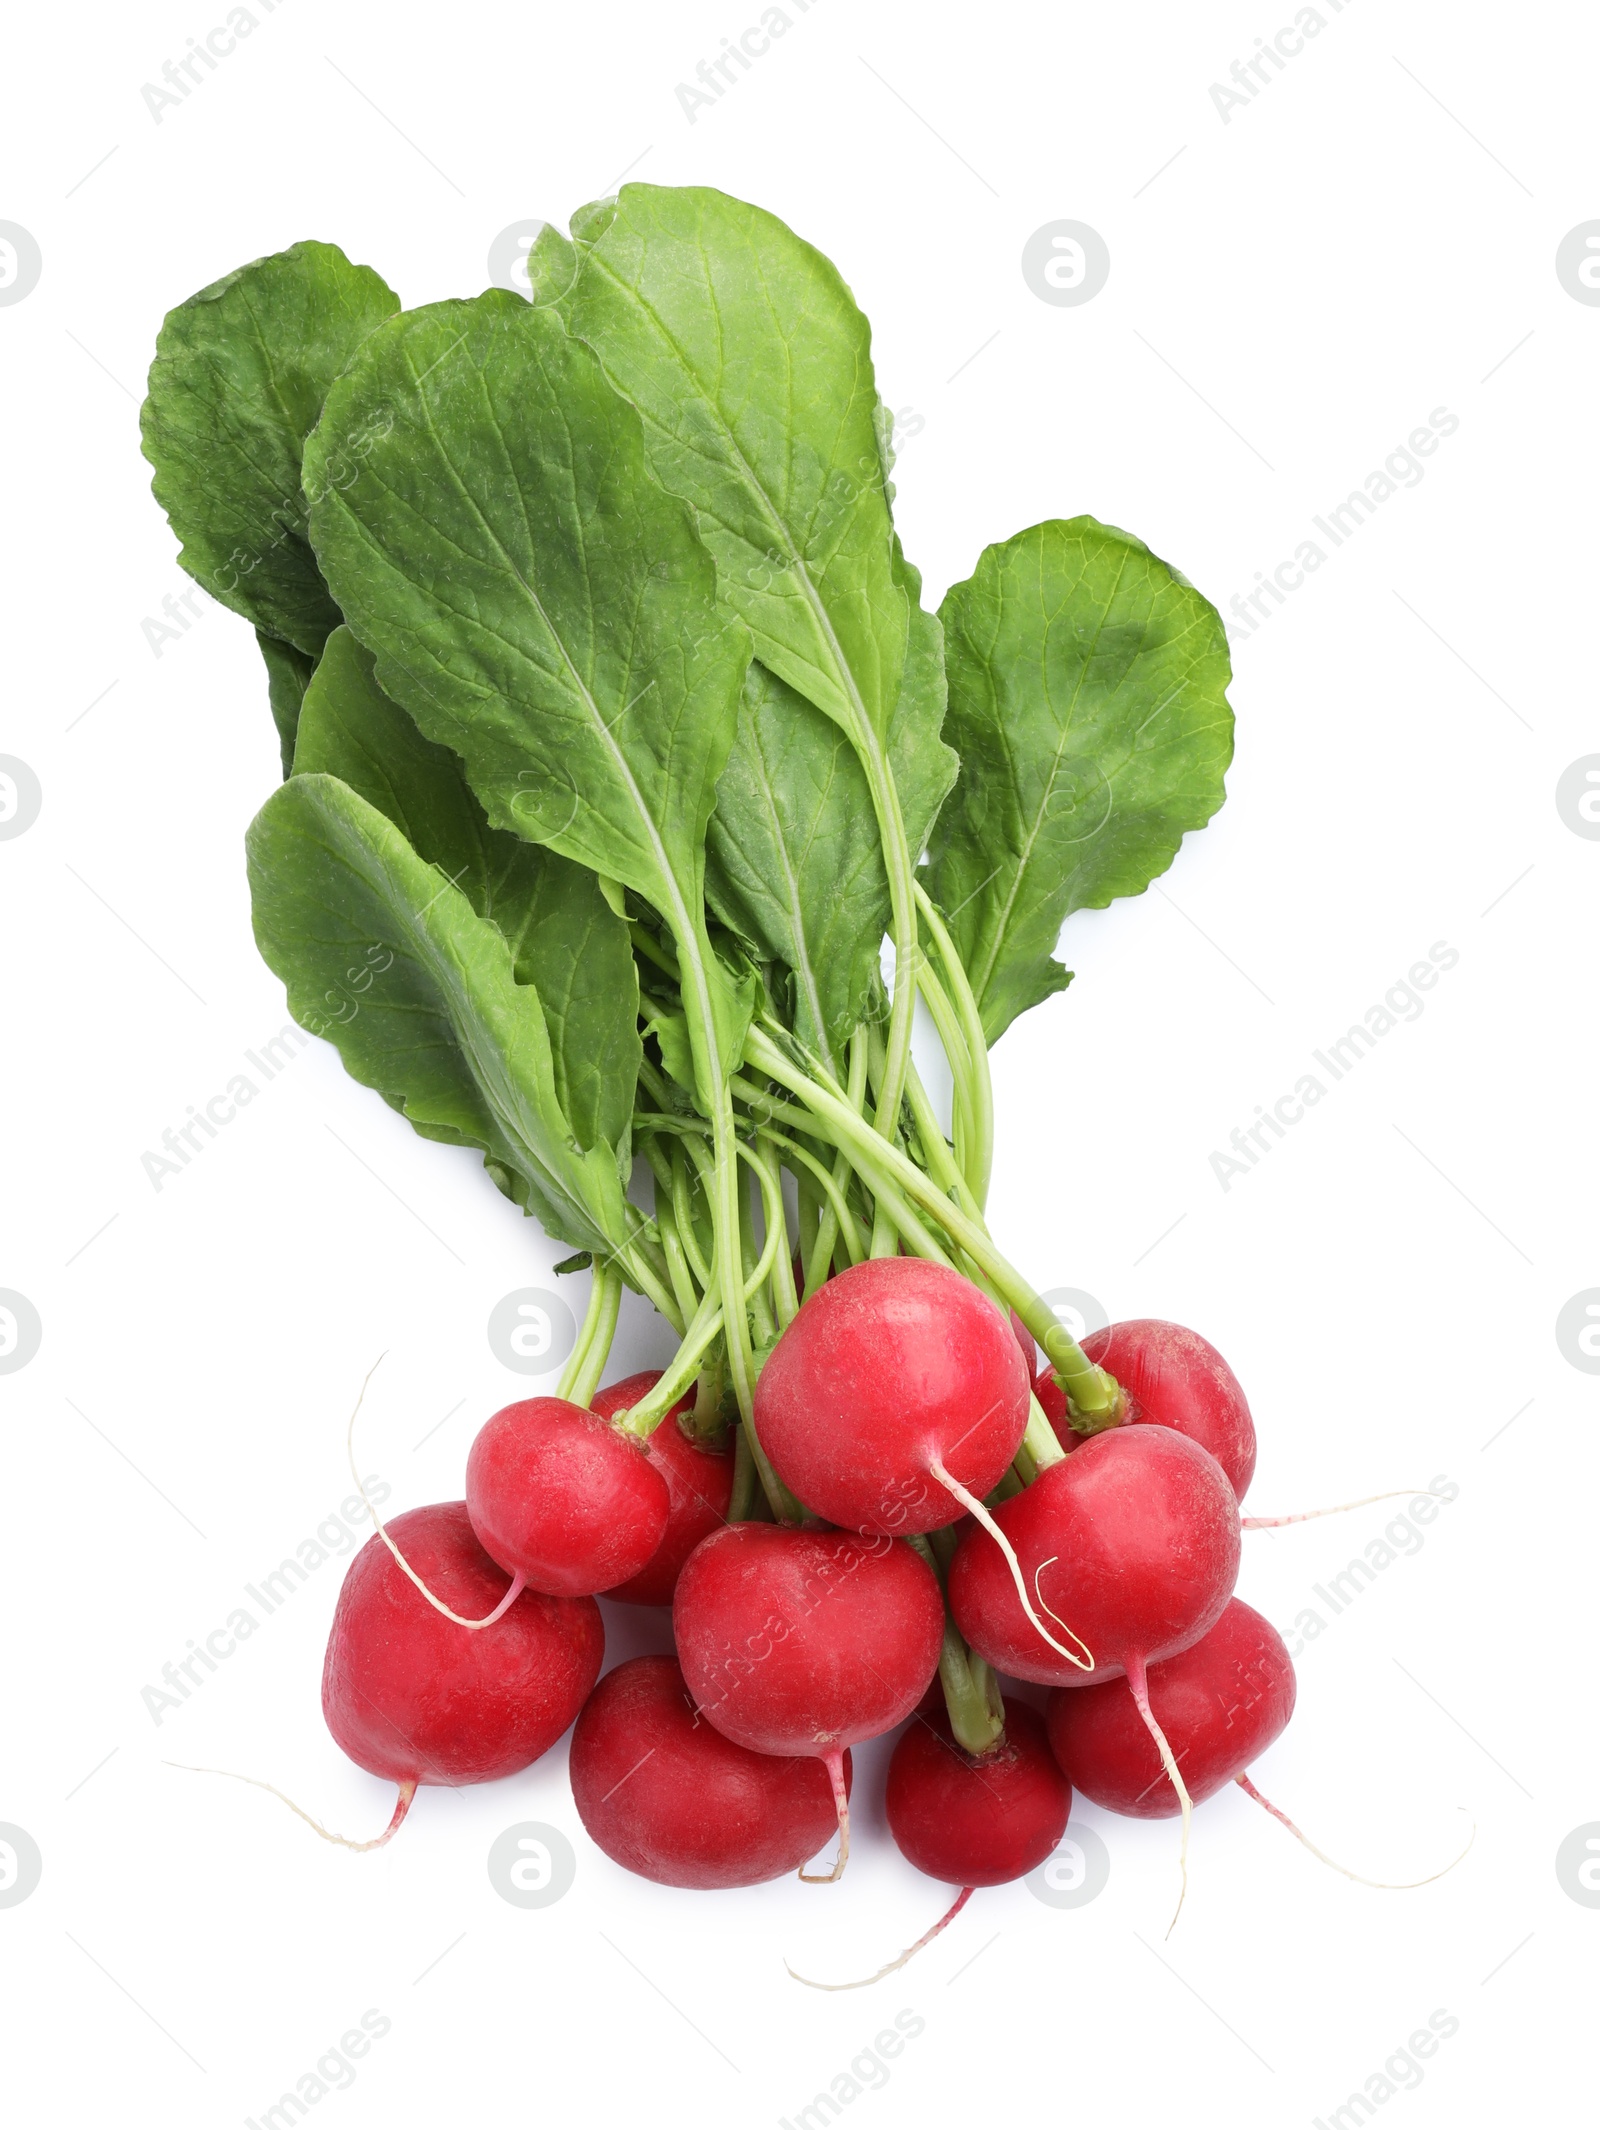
(975, 1507)
(1382, 1885)
(438, 1604)
(910, 1952)
(402, 1805)
(834, 1763)
(1306, 1516)
(1139, 1687)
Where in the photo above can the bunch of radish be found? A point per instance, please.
(897, 1397)
(618, 746)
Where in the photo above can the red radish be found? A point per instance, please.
(1025, 1340)
(1221, 1703)
(976, 1821)
(1172, 1377)
(803, 1642)
(563, 1499)
(413, 1698)
(699, 1486)
(970, 1820)
(1132, 1541)
(666, 1795)
(896, 1392)
(1053, 1404)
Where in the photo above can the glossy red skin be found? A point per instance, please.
(1175, 1378)
(699, 1488)
(1053, 1402)
(1141, 1530)
(562, 1497)
(413, 1697)
(665, 1795)
(1221, 1703)
(805, 1641)
(894, 1362)
(976, 1822)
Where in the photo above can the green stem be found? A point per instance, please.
(943, 1015)
(1089, 1387)
(780, 1279)
(979, 1086)
(643, 1419)
(973, 1705)
(744, 1479)
(819, 1264)
(580, 1379)
(844, 1222)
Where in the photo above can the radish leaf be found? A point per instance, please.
(536, 601)
(565, 939)
(239, 378)
(381, 955)
(1087, 702)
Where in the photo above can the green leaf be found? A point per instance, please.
(239, 378)
(793, 859)
(380, 954)
(565, 939)
(745, 353)
(536, 601)
(288, 675)
(1087, 702)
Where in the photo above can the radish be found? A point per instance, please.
(699, 1483)
(895, 1394)
(1172, 1377)
(563, 1500)
(976, 1821)
(805, 1642)
(1134, 1540)
(414, 1699)
(970, 1820)
(669, 1797)
(1221, 1703)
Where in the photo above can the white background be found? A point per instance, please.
(1371, 238)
